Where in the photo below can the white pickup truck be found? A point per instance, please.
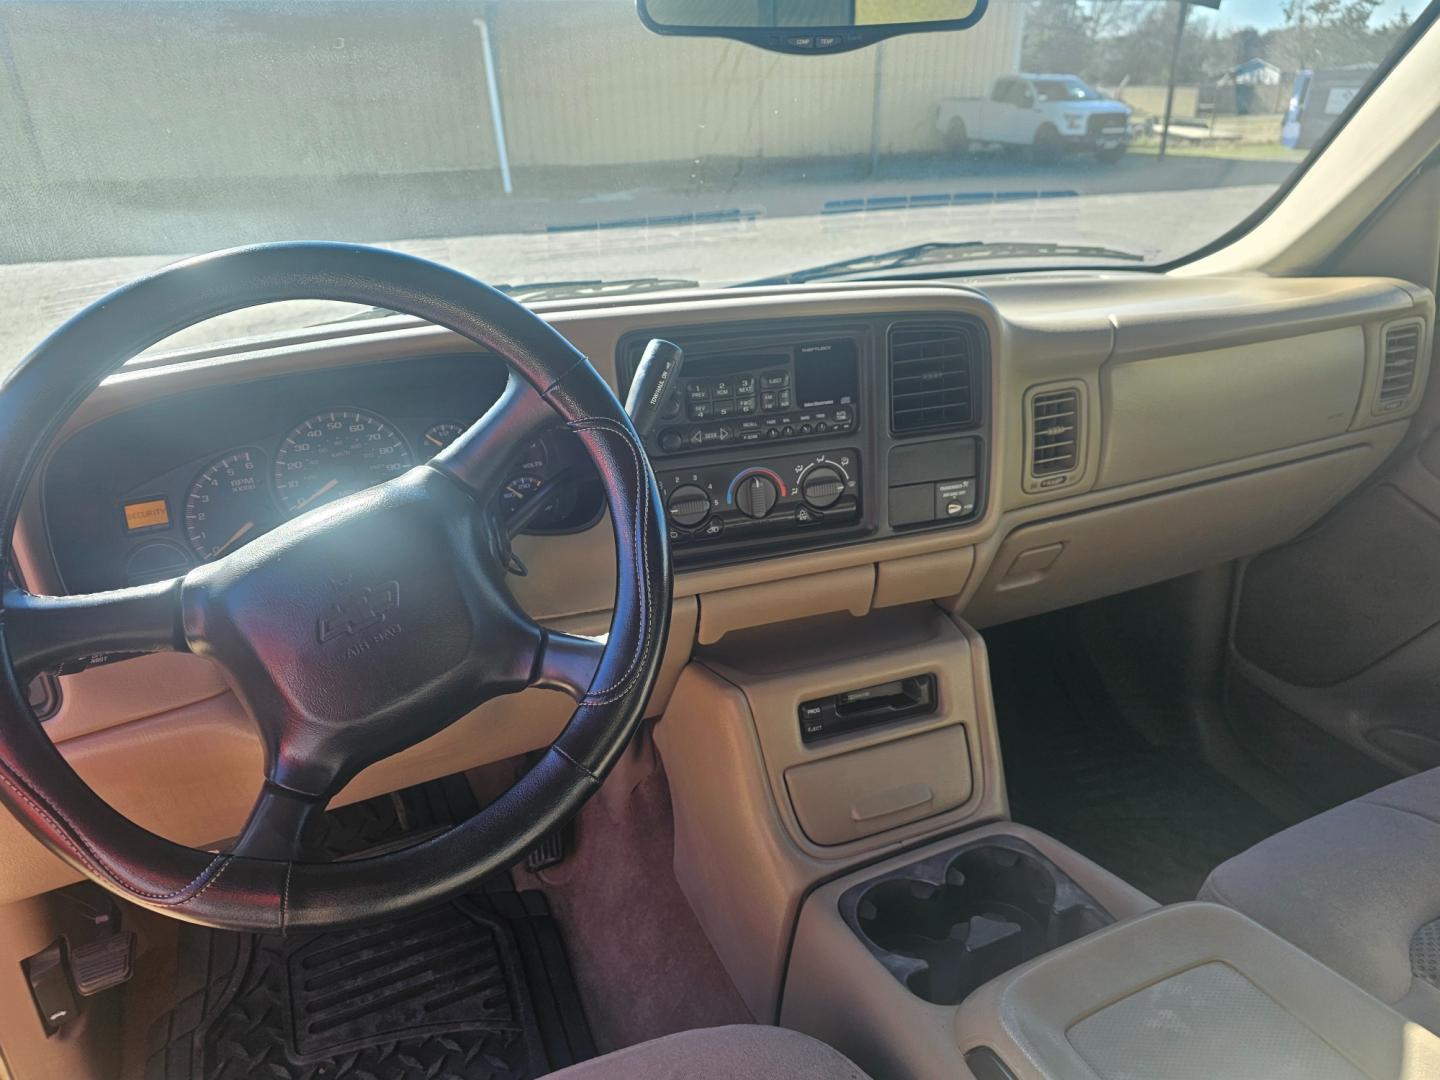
(1050, 114)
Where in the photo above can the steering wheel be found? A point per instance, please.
(348, 633)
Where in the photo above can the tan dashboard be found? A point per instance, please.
(1211, 418)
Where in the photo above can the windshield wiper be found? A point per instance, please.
(550, 290)
(943, 252)
(562, 290)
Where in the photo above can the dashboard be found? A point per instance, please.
(1001, 448)
(148, 494)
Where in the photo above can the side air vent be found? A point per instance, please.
(1402, 359)
(1055, 417)
(934, 377)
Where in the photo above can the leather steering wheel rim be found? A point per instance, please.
(215, 610)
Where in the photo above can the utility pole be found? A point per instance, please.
(875, 103)
(1174, 63)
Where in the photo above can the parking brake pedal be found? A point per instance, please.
(99, 965)
(553, 847)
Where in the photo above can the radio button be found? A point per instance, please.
(745, 385)
(671, 440)
(723, 409)
(701, 411)
(697, 390)
(722, 388)
(774, 380)
(746, 406)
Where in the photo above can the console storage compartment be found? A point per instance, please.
(951, 922)
(854, 795)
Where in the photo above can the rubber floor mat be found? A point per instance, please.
(1157, 816)
(478, 988)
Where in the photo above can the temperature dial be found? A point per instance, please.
(689, 505)
(756, 494)
(822, 486)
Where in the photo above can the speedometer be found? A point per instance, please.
(334, 454)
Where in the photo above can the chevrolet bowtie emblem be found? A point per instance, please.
(358, 610)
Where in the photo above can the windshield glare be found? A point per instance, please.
(528, 141)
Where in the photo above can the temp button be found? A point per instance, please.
(756, 494)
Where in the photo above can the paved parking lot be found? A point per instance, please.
(731, 222)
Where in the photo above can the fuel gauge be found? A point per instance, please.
(438, 436)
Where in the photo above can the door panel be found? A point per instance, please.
(1335, 642)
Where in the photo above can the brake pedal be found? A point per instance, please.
(100, 965)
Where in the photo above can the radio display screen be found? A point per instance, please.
(826, 373)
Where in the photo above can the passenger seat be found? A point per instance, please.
(1358, 888)
(740, 1052)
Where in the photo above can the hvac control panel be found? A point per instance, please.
(777, 495)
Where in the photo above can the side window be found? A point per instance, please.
(1023, 95)
(1001, 93)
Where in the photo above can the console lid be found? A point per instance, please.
(1193, 990)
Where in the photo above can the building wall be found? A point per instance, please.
(1151, 99)
(159, 89)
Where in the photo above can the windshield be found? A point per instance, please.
(1063, 90)
(559, 145)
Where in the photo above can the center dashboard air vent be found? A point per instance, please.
(934, 377)
(1402, 360)
(1055, 418)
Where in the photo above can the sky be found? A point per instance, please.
(1267, 14)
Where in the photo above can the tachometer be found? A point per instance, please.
(335, 454)
(228, 505)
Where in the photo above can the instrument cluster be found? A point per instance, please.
(148, 494)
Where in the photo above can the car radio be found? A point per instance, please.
(791, 392)
(779, 494)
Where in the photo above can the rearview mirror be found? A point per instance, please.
(807, 26)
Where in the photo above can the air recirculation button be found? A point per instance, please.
(688, 505)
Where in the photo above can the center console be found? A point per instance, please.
(814, 433)
(1003, 955)
(841, 835)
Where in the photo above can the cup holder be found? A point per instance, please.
(948, 924)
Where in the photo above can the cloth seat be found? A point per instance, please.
(1358, 888)
(741, 1052)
